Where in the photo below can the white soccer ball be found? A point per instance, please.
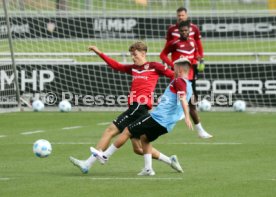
(42, 148)
(38, 105)
(239, 106)
(65, 106)
(204, 105)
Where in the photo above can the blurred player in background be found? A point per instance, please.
(185, 46)
(172, 106)
(144, 79)
(173, 32)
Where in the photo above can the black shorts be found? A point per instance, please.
(148, 126)
(195, 72)
(194, 90)
(134, 112)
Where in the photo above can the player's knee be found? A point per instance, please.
(111, 131)
(138, 150)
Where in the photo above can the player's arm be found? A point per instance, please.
(164, 55)
(169, 35)
(185, 106)
(197, 38)
(180, 86)
(111, 62)
(164, 70)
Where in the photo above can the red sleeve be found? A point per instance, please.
(196, 53)
(197, 38)
(180, 86)
(169, 34)
(165, 52)
(163, 70)
(199, 48)
(115, 65)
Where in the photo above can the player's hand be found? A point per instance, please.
(189, 123)
(201, 66)
(94, 48)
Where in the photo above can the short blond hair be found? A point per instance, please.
(139, 46)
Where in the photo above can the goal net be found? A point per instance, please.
(50, 40)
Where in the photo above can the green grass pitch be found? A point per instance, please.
(239, 161)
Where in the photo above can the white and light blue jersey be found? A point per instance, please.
(169, 110)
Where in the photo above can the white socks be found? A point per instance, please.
(110, 150)
(148, 161)
(164, 158)
(201, 132)
(199, 127)
(90, 161)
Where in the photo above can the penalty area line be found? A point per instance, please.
(32, 132)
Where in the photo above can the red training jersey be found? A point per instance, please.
(179, 86)
(173, 34)
(180, 48)
(144, 78)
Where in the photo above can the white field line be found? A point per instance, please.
(73, 143)
(32, 132)
(202, 143)
(104, 123)
(146, 178)
(4, 179)
(181, 143)
(2, 136)
(74, 127)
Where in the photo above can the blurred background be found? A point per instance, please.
(238, 36)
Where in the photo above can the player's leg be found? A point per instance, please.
(171, 161)
(194, 115)
(112, 130)
(137, 126)
(147, 150)
(85, 165)
(120, 141)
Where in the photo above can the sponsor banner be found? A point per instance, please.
(254, 83)
(135, 28)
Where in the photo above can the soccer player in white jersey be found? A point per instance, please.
(172, 106)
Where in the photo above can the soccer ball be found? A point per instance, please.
(38, 105)
(65, 106)
(204, 105)
(42, 148)
(239, 106)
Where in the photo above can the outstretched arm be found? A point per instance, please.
(164, 56)
(111, 62)
(164, 70)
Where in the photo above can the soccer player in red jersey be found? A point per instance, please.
(186, 47)
(144, 79)
(173, 32)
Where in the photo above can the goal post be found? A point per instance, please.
(9, 95)
(50, 41)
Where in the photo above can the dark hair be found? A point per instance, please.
(181, 9)
(139, 46)
(184, 24)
